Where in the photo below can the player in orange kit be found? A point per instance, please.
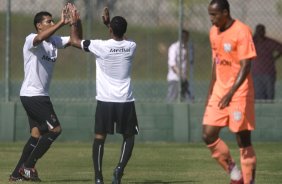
(230, 99)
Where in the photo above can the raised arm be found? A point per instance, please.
(76, 27)
(106, 17)
(45, 34)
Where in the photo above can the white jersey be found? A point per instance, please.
(113, 68)
(173, 60)
(39, 63)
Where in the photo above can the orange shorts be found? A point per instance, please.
(238, 116)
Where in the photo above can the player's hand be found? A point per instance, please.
(224, 102)
(65, 15)
(74, 14)
(106, 17)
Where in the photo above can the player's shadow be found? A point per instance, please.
(162, 182)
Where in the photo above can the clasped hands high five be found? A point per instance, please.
(70, 15)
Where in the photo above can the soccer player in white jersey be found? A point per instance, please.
(40, 54)
(115, 102)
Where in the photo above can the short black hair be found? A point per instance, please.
(222, 4)
(119, 26)
(39, 17)
(260, 26)
(184, 31)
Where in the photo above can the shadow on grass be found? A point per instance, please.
(67, 181)
(130, 182)
(161, 182)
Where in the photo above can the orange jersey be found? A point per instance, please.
(228, 49)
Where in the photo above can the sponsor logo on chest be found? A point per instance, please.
(227, 47)
(120, 50)
(47, 58)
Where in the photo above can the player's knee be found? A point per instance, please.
(130, 139)
(57, 129)
(35, 132)
(205, 137)
(208, 139)
(243, 139)
(128, 136)
(53, 135)
(100, 136)
(244, 144)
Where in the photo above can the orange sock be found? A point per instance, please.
(248, 164)
(220, 152)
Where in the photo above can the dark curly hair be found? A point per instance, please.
(119, 26)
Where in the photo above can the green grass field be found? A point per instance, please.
(151, 163)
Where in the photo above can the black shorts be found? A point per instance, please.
(40, 112)
(122, 114)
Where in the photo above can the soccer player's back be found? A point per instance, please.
(115, 108)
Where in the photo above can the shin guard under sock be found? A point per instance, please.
(97, 157)
(41, 148)
(28, 148)
(248, 164)
(220, 152)
(126, 151)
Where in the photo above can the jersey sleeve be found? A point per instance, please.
(61, 42)
(246, 48)
(134, 46)
(212, 32)
(29, 41)
(94, 46)
(172, 56)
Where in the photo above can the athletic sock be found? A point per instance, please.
(97, 157)
(126, 151)
(220, 152)
(29, 146)
(41, 148)
(248, 164)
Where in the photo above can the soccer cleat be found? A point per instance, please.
(235, 174)
(29, 174)
(99, 181)
(16, 179)
(118, 173)
(237, 181)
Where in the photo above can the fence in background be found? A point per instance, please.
(152, 24)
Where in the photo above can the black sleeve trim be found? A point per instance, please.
(86, 44)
